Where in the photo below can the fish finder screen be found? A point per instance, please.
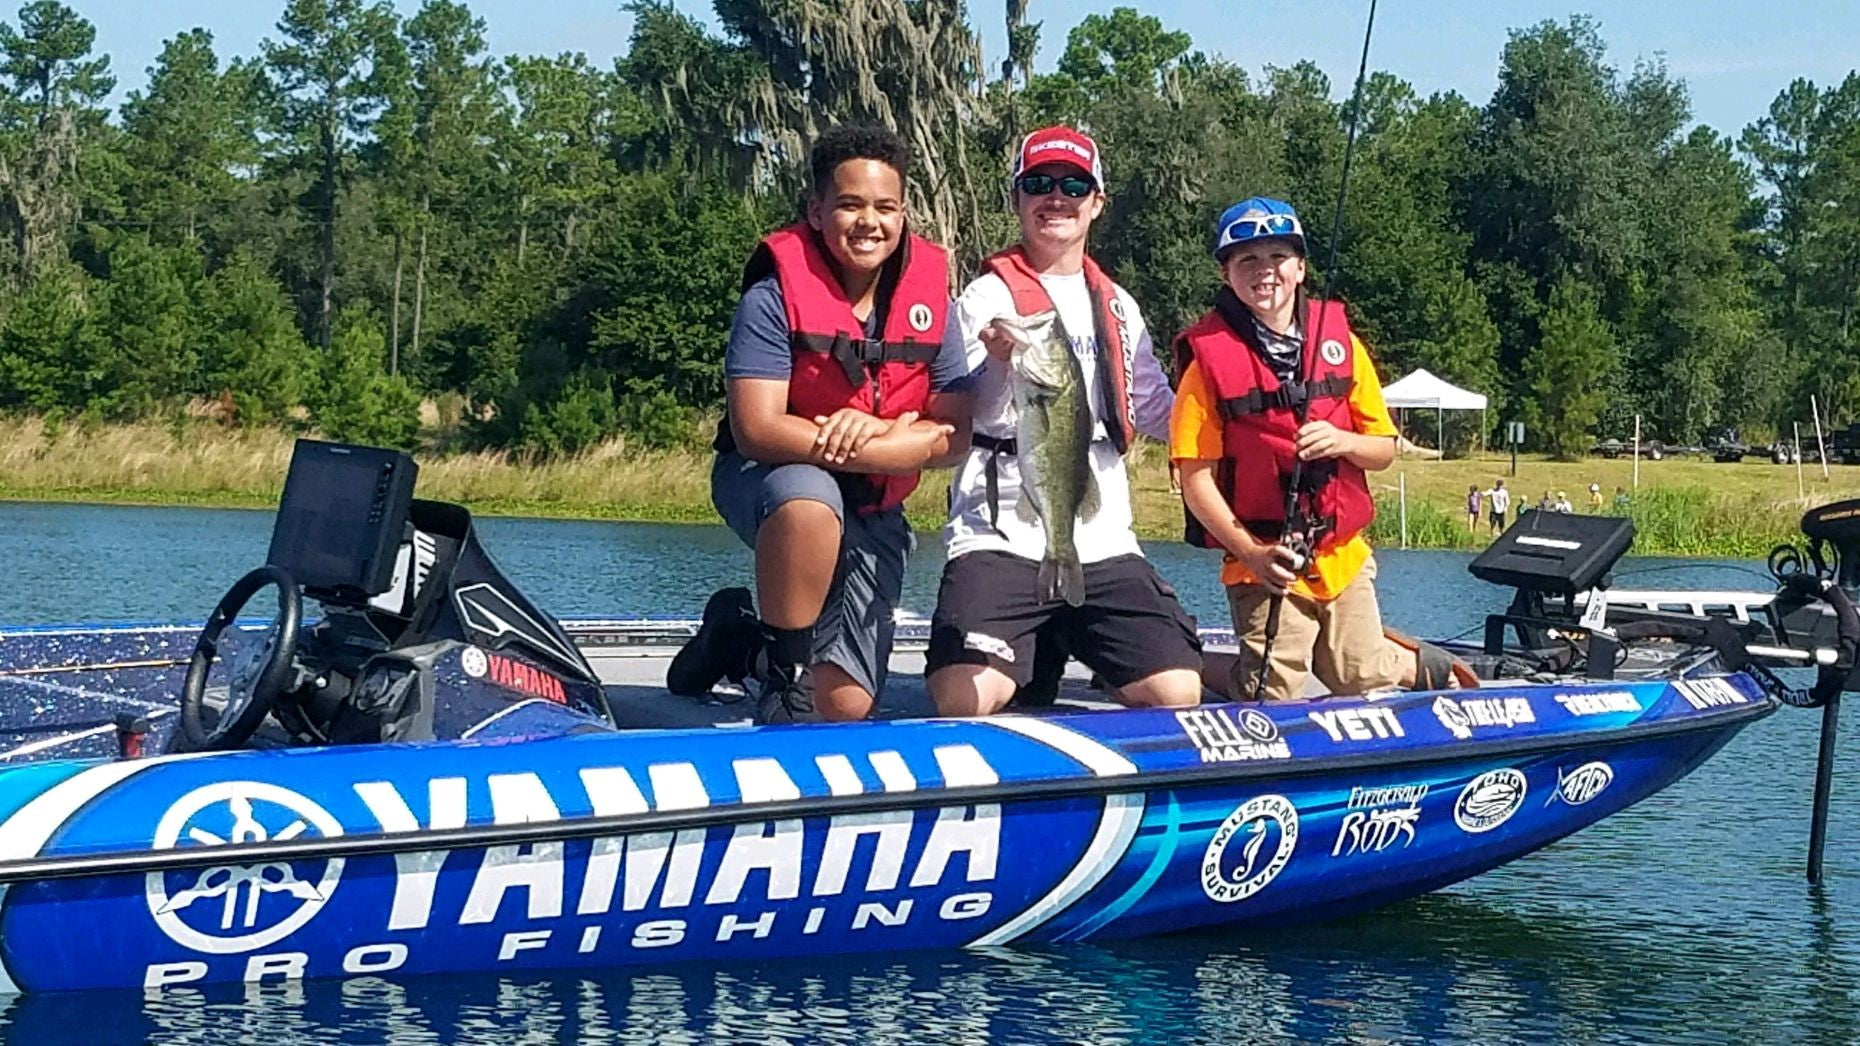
(342, 517)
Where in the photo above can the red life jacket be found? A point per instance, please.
(1259, 423)
(835, 365)
(1116, 364)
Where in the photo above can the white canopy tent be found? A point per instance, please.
(1423, 390)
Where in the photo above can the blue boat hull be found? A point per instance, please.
(617, 848)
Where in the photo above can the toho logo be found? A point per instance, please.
(258, 904)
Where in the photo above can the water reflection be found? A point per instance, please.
(1443, 968)
(1684, 920)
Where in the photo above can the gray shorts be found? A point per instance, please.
(856, 626)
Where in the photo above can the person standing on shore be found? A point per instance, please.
(838, 393)
(1127, 626)
(1499, 500)
(1473, 499)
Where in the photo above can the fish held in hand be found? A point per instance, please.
(1053, 440)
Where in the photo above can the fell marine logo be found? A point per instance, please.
(1224, 736)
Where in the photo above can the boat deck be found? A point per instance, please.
(633, 675)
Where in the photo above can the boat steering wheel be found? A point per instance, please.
(255, 682)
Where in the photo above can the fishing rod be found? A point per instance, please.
(1295, 536)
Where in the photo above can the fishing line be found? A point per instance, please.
(1301, 411)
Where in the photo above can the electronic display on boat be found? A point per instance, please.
(1561, 553)
(342, 518)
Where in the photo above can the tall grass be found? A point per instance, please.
(201, 464)
(1429, 526)
(194, 462)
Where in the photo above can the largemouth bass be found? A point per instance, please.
(1053, 443)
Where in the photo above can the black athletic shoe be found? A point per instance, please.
(720, 646)
(787, 700)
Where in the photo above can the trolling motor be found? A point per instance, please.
(1824, 572)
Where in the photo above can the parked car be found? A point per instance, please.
(1611, 448)
(1724, 445)
(1844, 446)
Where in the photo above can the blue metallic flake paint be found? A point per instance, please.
(224, 924)
(1093, 825)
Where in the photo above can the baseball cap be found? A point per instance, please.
(1257, 218)
(1059, 145)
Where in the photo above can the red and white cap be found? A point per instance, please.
(1050, 145)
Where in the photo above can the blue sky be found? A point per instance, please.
(1734, 55)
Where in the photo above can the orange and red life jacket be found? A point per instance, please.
(1260, 421)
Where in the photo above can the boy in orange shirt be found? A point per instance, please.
(1268, 378)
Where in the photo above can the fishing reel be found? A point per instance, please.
(1301, 538)
(1303, 562)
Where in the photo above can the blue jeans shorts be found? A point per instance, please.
(857, 623)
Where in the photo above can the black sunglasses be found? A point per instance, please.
(1073, 185)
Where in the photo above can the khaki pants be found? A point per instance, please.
(1341, 641)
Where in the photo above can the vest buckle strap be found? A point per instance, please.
(856, 355)
(995, 446)
(1289, 396)
(853, 355)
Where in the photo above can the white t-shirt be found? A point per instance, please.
(1108, 533)
(1500, 499)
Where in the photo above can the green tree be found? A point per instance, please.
(146, 328)
(47, 61)
(354, 399)
(331, 70)
(660, 294)
(185, 135)
(559, 156)
(47, 349)
(1569, 376)
(53, 87)
(1552, 186)
(455, 99)
(252, 356)
(1124, 50)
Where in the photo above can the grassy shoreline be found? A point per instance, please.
(1682, 508)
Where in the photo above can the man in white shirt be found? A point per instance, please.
(1130, 628)
(1499, 500)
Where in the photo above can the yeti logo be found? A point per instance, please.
(231, 908)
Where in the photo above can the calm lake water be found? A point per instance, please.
(1682, 920)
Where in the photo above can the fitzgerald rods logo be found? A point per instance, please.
(707, 887)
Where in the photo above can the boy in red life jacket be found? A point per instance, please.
(1128, 627)
(1243, 369)
(838, 394)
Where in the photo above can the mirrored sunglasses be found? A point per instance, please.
(1269, 225)
(1073, 185)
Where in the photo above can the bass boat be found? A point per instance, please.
(434, 775)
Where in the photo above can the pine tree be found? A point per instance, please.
(1569, 376)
